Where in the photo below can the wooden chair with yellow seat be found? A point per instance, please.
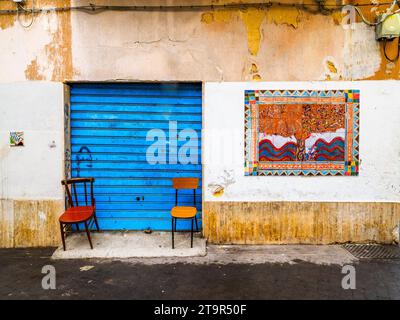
(184, 212)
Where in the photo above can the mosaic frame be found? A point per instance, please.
(348, 167)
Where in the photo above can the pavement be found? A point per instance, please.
(128, 244)
(226, 272)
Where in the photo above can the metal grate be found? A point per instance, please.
(373, 251)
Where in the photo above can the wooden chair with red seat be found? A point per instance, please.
(184, 212)
(77, 213)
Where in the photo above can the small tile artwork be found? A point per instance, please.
(16, 139)
(302, 132)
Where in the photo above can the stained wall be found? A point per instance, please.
(31, 197)
(282, 43)
(301, 209)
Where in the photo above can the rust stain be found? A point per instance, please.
(299, 222)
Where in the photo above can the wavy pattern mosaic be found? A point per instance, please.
(302, 132)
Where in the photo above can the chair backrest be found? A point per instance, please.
(74, 196)
(185, 183)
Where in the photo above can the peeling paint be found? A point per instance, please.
(361, 53)
(331, 69)
(218, 191)
(226, 179)
(59, 51)
(55, 60)
(49, 56)
(223, 16)
(252, 19)
(331, 66)
(288, 16)
(390, 66)
(387, 69)
(337, 17)
(33, 71)
(254, 72)
(6, 21)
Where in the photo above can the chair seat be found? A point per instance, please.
(183, 212)
(77, 214)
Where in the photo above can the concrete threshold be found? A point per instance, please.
(131, 244)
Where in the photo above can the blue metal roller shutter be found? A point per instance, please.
(109, 124)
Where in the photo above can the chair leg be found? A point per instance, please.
(96, 222)
(173, 224)
(191, 235)
(197, 227)
(62, 235)
(88, 235)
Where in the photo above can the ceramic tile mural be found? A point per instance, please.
(16, 138)
(301, 132)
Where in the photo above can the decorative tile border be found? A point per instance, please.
(254, 98)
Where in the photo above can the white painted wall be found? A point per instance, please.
(35, 170)
(223, 152)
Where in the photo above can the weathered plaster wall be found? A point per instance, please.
(222, 45)
(278, 222)
(277, 43)
(379, 178)
(31, 197)
(241, 209)
(40, 52)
